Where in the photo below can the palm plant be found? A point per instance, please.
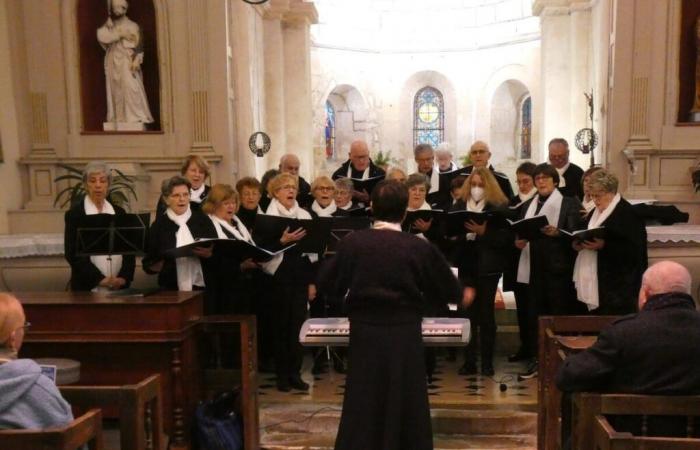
(120, 189)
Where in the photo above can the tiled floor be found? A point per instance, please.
(447, 389)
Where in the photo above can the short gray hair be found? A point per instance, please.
(169, 184)
(97, 167)
(416, 179)
(423, 148)
(344, 184)
(603, 180)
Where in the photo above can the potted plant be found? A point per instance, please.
(384, 159)
(465, 160)
(121, 188)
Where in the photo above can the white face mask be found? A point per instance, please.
(477, 193)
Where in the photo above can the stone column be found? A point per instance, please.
(275, 113)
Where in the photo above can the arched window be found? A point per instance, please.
(526, 128)
(428, 117)
(330, 131)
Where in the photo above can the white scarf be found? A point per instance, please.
(586, 266)
(347, 206)
(189, 268)
(295, 212)
(196, 194)
(435, 179)
(102, 262)
(562, 180)
(424, 206)
(551, 209)
(327, 211)
(525, 197)
(365, 174)
(381, 225)
(239, 231)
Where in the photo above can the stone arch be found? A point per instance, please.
(351, 117)
(505, 118)
(408, 92)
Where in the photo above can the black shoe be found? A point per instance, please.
(319, 367)
(339, 366)
(520, 355)
(467, 369)
(298, 384)
(487, 370)
(283, 386)
(530, 373)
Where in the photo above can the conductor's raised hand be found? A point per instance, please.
(474, 227)
(292, 236)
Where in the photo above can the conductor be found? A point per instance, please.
(389, 280)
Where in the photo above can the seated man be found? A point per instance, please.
(28, 399)
(652, 352)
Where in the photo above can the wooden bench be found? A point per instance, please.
(587, 405)
(86, 429)
(606, 438)
(559, 336)
(139, 407)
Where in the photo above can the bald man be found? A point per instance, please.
(655, 351)
(360, 167)
(28, 399)
(480, 154)
(289, 163)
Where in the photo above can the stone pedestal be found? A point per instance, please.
(123, 126)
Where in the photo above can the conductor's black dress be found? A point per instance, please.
(390, 278)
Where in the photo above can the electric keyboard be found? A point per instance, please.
(437, 331)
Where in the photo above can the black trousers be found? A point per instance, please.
(290, 312)
(482, 321)
(522, 303)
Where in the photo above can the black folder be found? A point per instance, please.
(424, 214)
(529, 229)
(456, 220)
(269, 229)
(235, 248)
(585, 235)
(366, 185)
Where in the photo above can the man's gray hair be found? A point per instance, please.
(422, 148)
(97, 167)
(444, 148)
(603, 180)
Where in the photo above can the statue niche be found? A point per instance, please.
(689, 63)
(120, 88)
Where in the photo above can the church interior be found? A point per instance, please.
(241, 83)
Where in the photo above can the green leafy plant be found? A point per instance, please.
(384, 159)
(465, 160)
(121, 188)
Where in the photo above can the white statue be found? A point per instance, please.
(127, 105)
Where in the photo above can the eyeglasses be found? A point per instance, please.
(325, 188)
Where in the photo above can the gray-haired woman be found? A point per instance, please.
(100, 272)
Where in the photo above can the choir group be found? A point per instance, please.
(470, 214)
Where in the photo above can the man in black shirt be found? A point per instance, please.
(290, 164)
(359, 166)
(479, 154)
(569, 173)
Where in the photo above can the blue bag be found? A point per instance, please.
(217, 425)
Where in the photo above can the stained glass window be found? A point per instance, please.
(526, 129)
(428, 117)
(330, 131)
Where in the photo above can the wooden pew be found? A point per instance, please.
(557, 337)
(587, 405)
(606, 438)
(139, 405)
(86, 429)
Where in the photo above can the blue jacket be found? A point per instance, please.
(28, 399)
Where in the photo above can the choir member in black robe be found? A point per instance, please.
(342, 196)
(226, 288)
(424, 155)
(587, 201)
(608, 272)
(479, 154)
(178, 226)
(390, 279)
(196, 170)
(418, 186)
(360, 167)
(290, 164)
(569, 173)
(481, 258)
(293, 283)
(95, 272)
(546, 264)
(526, 190)
(249, 192)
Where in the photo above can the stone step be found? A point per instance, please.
(314, 426)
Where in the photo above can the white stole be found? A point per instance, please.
(327, 211)
(381, 225)
(586, 266)
(239, 231)
(435, 180)
(196, 194)
(102, 262)
(365, 174)
(295, 212)
(552, 210)
(562, 180)
(189, 268)
(346, 207)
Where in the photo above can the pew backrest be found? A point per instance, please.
(85, 430)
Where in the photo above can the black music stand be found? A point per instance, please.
(110, 234)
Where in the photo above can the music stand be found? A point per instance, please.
(110, 234)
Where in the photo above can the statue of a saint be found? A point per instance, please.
(695, 112)
(127, 105)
